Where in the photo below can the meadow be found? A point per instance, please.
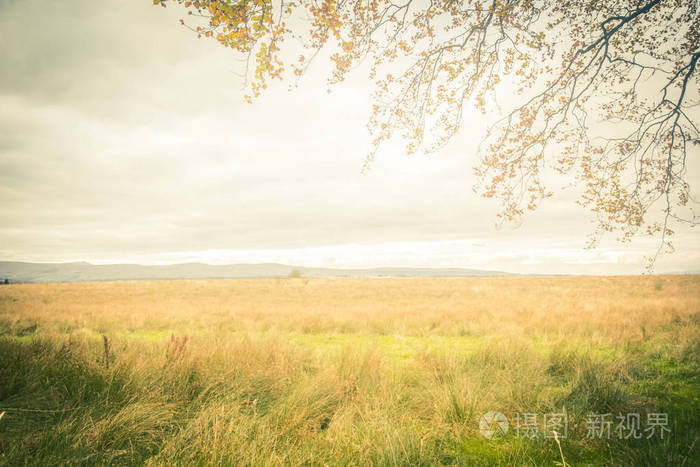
(375, 371)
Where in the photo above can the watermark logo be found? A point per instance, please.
(493, 425)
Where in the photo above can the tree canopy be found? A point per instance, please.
(605, 92)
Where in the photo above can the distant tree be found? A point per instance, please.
(294, 273)
(605, 90)
(6, 281)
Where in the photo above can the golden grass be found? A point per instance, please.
(342, 371)
(613, 309)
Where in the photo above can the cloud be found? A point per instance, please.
(124, 137)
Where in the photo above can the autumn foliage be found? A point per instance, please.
(602, 91)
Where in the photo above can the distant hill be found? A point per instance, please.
(82, 271)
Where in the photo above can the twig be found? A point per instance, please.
(19, 409)
(106, 341)
(556, 438)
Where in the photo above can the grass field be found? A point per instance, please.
(350, 371)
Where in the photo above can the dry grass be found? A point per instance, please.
(609, 308)
(343, 371)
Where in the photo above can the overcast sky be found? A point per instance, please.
(123, 138)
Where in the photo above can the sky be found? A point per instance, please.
(124, 139)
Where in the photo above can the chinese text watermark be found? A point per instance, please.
(597, 425)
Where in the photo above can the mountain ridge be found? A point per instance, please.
(82, 271)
